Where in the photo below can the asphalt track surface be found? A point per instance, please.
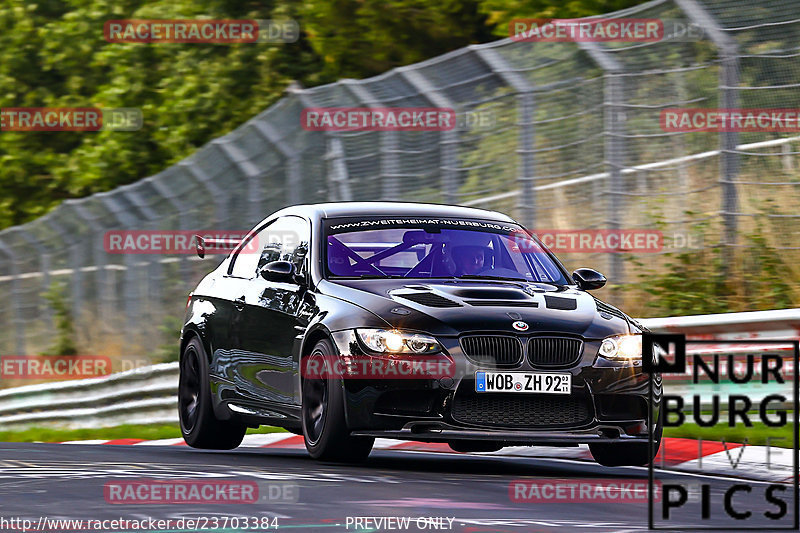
(59, 481)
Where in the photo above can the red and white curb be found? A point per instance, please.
(688, 455)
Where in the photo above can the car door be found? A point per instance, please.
(271, 320)
(235, 364)
(215, 309)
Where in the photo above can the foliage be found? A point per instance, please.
(170, 330)
(755, 276)
(53, 54)
(759, 434)
(502, 12)
(65, 326)
(359, 38)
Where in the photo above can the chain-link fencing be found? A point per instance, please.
(575, 141)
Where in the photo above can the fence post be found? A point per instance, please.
(449, 140)
(526, 111)
(217, 193)
(388, 144)
(125, 220)
(75, 256)
(16, 300)
(44, 267)
(252, 174)
(132, 291)
(728, 86)
(183, 209)
(338, 179)
(615, 158)
(525, 150)
(96, 235)
(614, 147)
(293, 179)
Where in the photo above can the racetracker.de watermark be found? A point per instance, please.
(70, 119)
(175, 242)
(54, 367)
(620, 30)
(183, 31)
(607, 240)
(730, 120)
(378, 119)
(586, 30)
(405, 366)
(198, 491)
(544, 490)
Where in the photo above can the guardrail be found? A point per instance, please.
(780, 324)
(149, 394)
(141, 396)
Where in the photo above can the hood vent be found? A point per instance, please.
(610, 309)
(428, 299)
(491, 294)
(564, 304)
(503, 303)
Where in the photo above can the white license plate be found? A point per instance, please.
(540, 382)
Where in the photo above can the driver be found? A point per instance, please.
(469, 259)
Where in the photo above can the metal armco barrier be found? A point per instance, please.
(142, 396)
(149, 394)
(780, 324)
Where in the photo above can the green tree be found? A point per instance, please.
(53, 54)
(359, 38)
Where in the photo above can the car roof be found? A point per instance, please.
(404, 209)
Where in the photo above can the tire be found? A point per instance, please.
(627, 453)
(467, 446)
(199, 427)
(325, 431)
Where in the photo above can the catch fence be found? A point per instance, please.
(574, 140)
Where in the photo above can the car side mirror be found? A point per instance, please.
(588, 279)
(278, 271)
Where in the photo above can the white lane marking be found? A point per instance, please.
(521, 522)
(751, 462)
(717, 465)
(160, 442)
(258, 440)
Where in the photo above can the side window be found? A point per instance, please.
(246, 259)
(286, 239)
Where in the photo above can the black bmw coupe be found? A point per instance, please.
(344, 322)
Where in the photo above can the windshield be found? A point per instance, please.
(440, 248)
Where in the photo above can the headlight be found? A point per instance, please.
(621, 347)
(394, 341)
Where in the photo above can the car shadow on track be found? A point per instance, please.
(443, 463)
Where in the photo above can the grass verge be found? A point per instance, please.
(129, 431)
(780, 437)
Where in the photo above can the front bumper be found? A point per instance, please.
(608, 403)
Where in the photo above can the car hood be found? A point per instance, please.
(452, 307)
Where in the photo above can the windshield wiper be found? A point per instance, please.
(499, 278)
